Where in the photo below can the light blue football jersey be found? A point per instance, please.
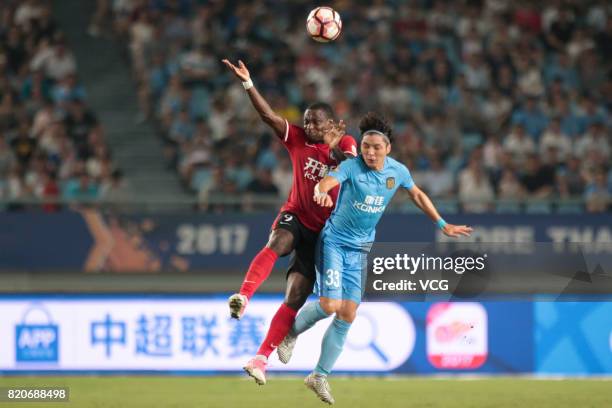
(364, 196)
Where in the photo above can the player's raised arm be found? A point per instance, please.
(422, 201)
(341, 147)
(322, 188)
(275, 121)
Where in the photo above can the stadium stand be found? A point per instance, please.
(490, 99)
(497, 105)
(52, 146)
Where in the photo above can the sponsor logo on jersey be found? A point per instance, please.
(371, 204)
(315, 170)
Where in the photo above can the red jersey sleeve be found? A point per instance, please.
(348, 145)
(293, 135)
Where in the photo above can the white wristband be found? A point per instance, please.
(317, 192)
(248, 84)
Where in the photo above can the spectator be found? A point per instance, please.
(79, 122)
(196, 154)
(598, 195)
(7, 158)
(519, 144)
(570, 124)
(114, 188)
(537, 179)
(589, 113)
(170, 102)
(477, 75)
(492, 152)
(475, 191)
(182, 128)
(49, 192)
(23, 147)
(262, 184)
(441, 134)
(211, 187)
(570, 179)
(197, 67)
(141, 37)
(438, 181)
(27, 11)
(531, 118)
(496, 110)
(220, 195)
(509, 186)
(603, 40)
(15, 49)
(66, 90)
(562, 69)
(595, 140)
(219, 121)
(81, 188)
(561, 30)
(553, 137)
(579, 44)
(16, 189)
(531, 85)
(60, 63)
(282, 177)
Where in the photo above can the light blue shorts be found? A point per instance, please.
(341, 271)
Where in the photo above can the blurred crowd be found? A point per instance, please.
(490, 100)
(51, 144)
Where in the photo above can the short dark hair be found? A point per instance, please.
(325, 107)
(377, 122)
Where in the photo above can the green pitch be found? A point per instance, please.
(417, 392)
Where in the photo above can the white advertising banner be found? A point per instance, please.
(181, 335)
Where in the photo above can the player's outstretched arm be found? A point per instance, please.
(422, 201)
(275, 121)
(322, 188)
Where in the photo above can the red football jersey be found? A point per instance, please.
(311, 162)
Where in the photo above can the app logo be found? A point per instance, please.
(457, 335)
(36, 341)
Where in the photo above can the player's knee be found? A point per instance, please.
(294, 303)
(299, 287)
(330, 306)
(295, 299)
(347, 316)
(347, 312)
(281, 242)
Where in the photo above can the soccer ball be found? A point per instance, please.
(324, 24)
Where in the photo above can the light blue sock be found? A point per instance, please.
(308, 316)
(332, 345)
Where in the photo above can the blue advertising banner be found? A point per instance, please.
(573, 337)
(92, 241)
(43, 241)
